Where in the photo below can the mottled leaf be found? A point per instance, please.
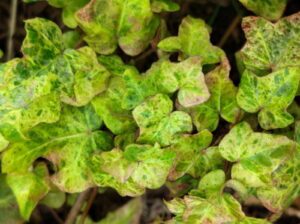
(164, 5)
(222, 100)
(108, 105)
(69, 10)
(188, 149)
(167, 77)
(157, 122)
(265, 164)
(69, 144)
(87, 77)
(270, 46)
(130, 213)
(107, 24)
(270, 96)
(71, 39)
(271, 10)
(193, 40)
(29, 188)
(134, 169)
(9, 213)
(28, 97)
(32, 87)
(208, 204)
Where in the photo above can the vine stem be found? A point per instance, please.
(77, 207)
(91, 199)
(12, 29)
(230, 29)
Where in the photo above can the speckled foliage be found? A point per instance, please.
(100, 122)
(269, 9)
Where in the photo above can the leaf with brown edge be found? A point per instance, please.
(270, 46)
(221, 103)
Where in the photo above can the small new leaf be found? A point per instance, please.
(222, 101)
(157, 122)
(193, 40)
(208, 204)
(134, 169)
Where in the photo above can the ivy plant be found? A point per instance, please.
(76, 116)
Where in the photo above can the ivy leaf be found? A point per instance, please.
(222, 100)
(270, 46)
(271, 10)
(270, 95)
(157, 122)
(108, 104)
(167, 77)
(69, 10)
(9, 212)
(34, 85)
(134, 169)
(26, 100)
(87, 77)
(29, 188)
(164, 5)
(69, 144)
(193, 40)
(71, 39)
(265, 164)
(207, 204)
(188, 149)
(130, 213)
(107, 24)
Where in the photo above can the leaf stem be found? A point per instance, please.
(77, 207)
(92, 197)
(12, 29)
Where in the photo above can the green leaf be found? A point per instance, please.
(88, 77)
(129, 213)
(270, 46)
(270, 96)
(43, 41)
(71, 39)
(188, 149)
(271, 10)
(157, 122)
(1, 53)
(167, 77)
(134, 169)
(107, 24)
(9, 213)
(211, 207)
(193, 40)
(108, 106)
(27, 98)
(29, 188)
(69, 144)
(54, 199)
(164, 5)
(222, 100)
(69, 10)
(265, 164)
